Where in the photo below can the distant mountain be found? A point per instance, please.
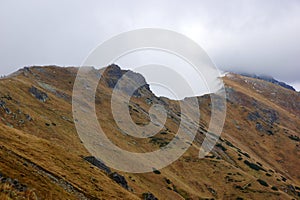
(269, 79)
(42, 156)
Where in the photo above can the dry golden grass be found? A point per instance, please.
(37, 154)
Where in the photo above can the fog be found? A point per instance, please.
(259, 37)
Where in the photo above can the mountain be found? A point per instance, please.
(42, 156)
(269, 79)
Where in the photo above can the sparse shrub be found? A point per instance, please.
(253, 166)
(263, 183)
(163, 133)
(182, 193)
(274, 188)
(221, 147)
(159, 141)
(270, 132)
(295, 138)
(175, 188)
(283, 179)
(148, 196)
(155, 171)
(269, 175)
(210, 156)
(8, 191)
(228, 179)
(245, 154)
(168, 181)
(229, 144)
(238, 187)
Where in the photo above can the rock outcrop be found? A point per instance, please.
(119, 179)
(40, 95)
(98, 163)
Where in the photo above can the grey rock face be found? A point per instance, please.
(114, 73)
(130, 80)
(253, 116)
(42, 96)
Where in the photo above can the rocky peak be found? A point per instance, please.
(113, 73)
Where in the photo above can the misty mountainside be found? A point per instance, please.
(269, 79)
(42, 156)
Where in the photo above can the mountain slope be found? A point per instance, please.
(269, 79)
(257, 156)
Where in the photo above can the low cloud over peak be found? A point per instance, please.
(259, 37)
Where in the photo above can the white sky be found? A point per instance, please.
(255, 36)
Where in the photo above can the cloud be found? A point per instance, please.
(251, 36)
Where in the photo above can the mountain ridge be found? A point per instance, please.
(264, 77)
(259, 119)
(269, 79)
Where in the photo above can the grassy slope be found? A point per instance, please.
(49, 158)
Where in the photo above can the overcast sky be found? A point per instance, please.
(261, 37)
